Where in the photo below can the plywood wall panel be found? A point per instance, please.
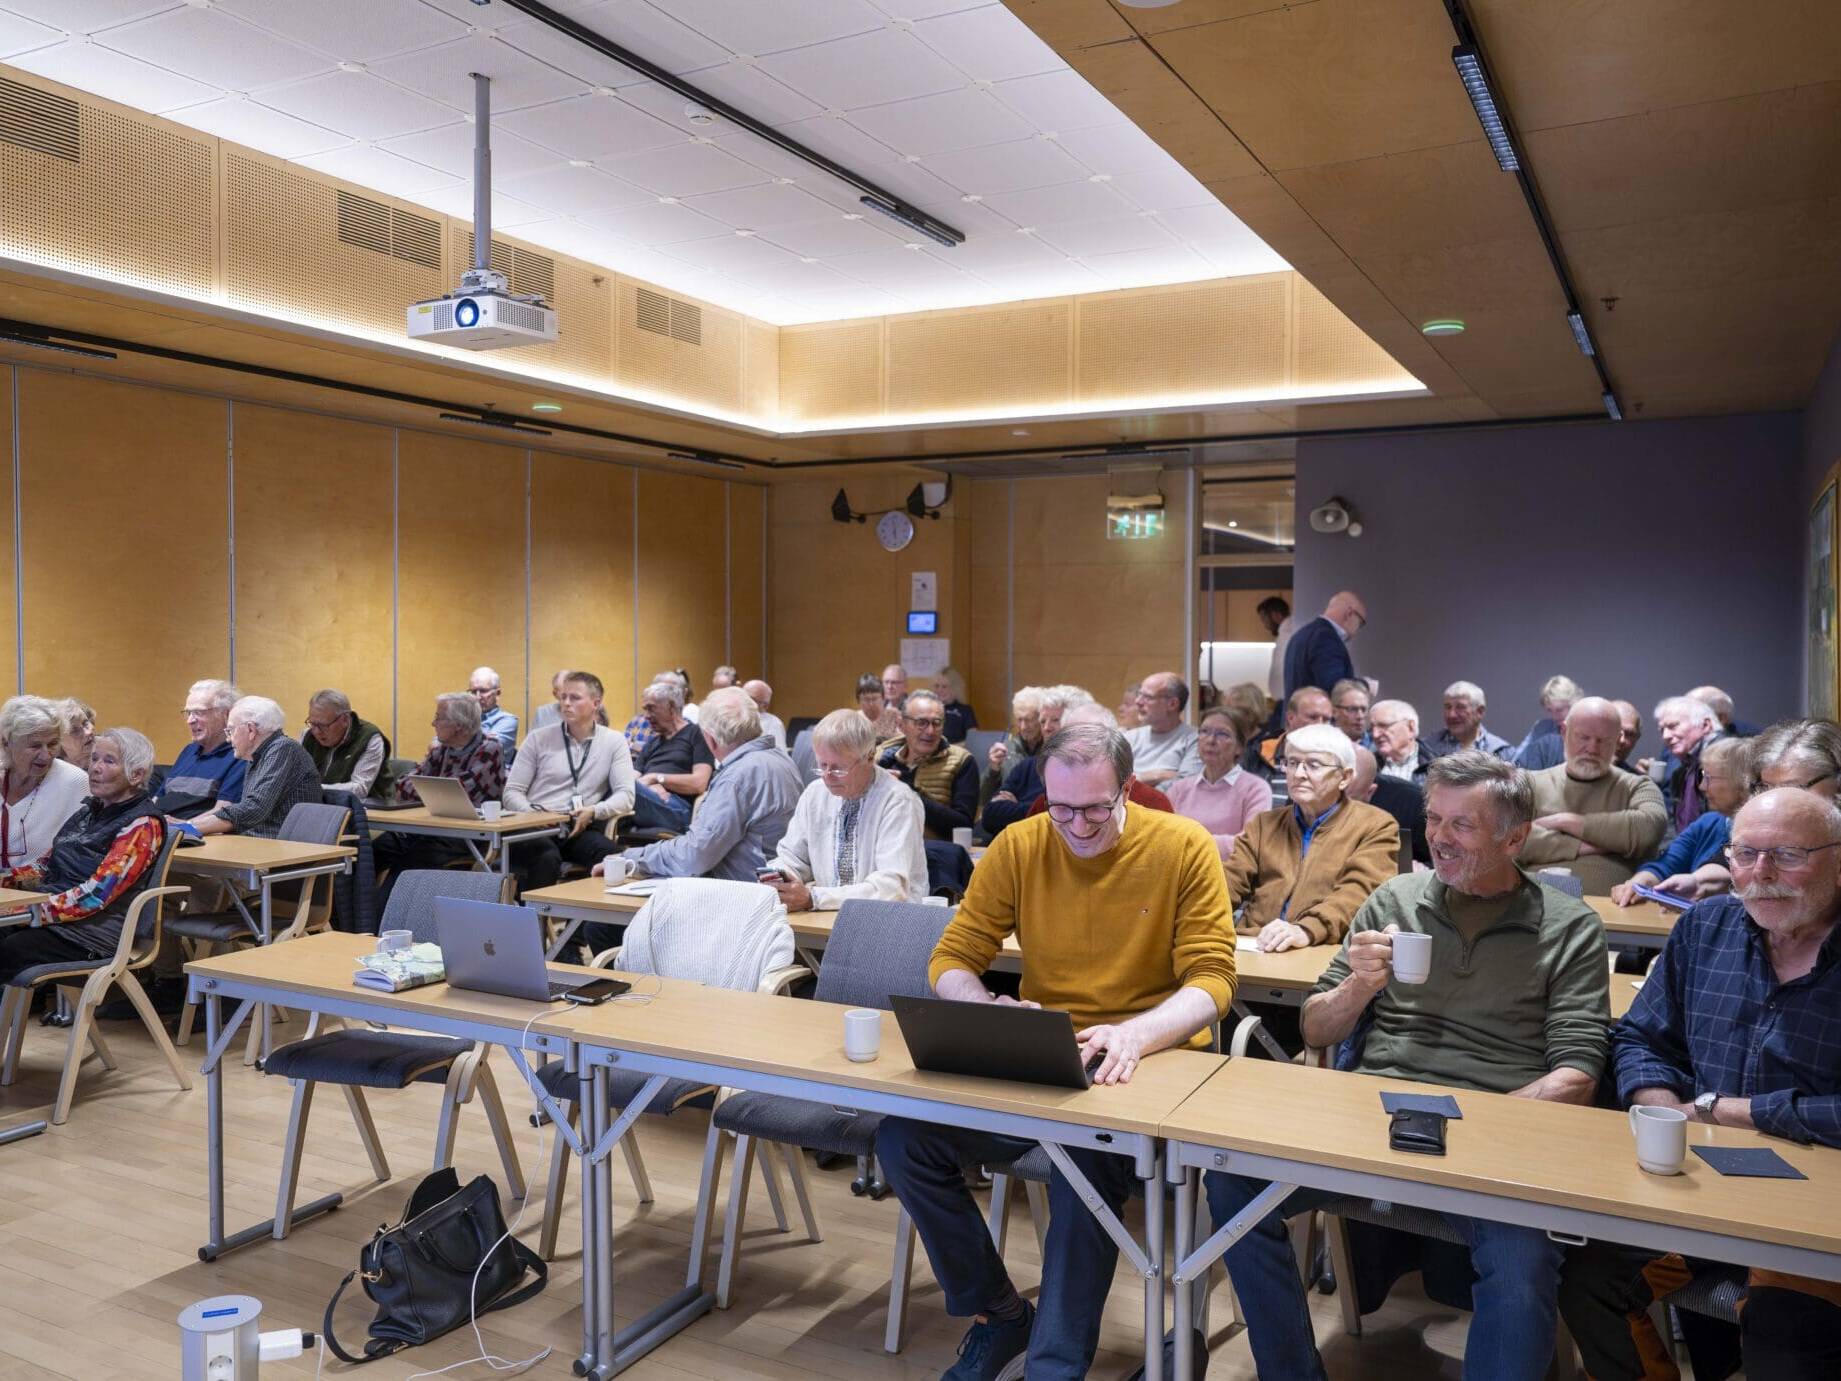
(9, 630)
(582, 575)
(747, 579)
(460, 570)
(314, 512)
(681, 576)
(125, 547)
(1013, 358)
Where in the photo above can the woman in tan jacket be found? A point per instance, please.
(1299, 872)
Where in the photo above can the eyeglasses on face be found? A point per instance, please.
(1310, 767)
(925, 723)
(1095, 813)
(1787, 858)
(837, 773)
(1216, 735)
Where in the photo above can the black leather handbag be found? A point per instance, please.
(420, 1274)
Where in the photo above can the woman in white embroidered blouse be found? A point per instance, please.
(37, 791)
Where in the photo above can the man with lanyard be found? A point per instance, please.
(578, 767)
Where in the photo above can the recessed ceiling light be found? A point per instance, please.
(1443, 326)
(546, 407)
(1232, 523)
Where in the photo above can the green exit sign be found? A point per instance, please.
(1134, 525)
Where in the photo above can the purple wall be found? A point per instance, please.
(1821, 442)
(1640, 558)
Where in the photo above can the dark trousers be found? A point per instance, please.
(650, 813)
(925, 1165)
(1785, 1333)
(540, 862)
(22, 949)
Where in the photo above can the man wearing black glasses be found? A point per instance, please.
(1123, 921)
(943, 774)
(1739, 1025)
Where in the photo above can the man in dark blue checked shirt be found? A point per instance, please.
(1740, 1025)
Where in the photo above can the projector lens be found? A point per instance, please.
(466, 312)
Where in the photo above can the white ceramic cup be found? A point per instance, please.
(616, 867)
(1658, 770)
(391, 940)
(1412, 956)
(862, 1033)
(963, 838)
(491, 810)
(1661, 1138)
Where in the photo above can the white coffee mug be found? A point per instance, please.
(1658, 770)
(963, 838)
(1412, 956)
(616, 867)
(1661, 1138)
(491, 810)
(862, 1033)
(392, 940)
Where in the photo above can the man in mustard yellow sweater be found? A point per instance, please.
(1124, 922)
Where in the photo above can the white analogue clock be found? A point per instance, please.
(895, 531)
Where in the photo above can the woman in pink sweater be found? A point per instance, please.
(1225, 796)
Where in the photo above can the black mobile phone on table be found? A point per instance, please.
(1422, 1133)
(589, 994)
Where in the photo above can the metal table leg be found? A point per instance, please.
(22, 1131)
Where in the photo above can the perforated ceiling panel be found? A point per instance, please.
(1012, 358)
(830, 371)
(1227, 336)
(90, 189)
(761, 369)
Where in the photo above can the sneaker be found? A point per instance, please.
(989, 1346)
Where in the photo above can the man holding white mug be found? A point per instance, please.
(1505, 990)
(1739, 1025)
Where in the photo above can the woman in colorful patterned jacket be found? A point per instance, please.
(101, 859)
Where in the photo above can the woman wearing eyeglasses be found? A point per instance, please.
(1297, 873)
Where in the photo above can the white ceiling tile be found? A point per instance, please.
(379, 170)
(897, 270)
(1058, 101)
(575, 191)
(685, 170)
(1116, 148)
(442, 73)
(1081, 239)
(256, 126)
(87, 16)
(358, 104)
(988, 44)
(795, 279)
(89, 66)
(1157, 190)
(969, 218)
(869, 69)
(858, 300)
(759, 207)
(589, 127)
(651, 32)
(584, 242)
(490, 16)
(927, 9)
(1068, 201)
(351, 30)
(20, 35)
(1012, 167)
(740, 84)
(211, 47)
(1239, 254)
(656, 224)
(450, 148)
(838, 140)
(1211, 222)
(941, 122)
(1171, 263)
(912, 182)
(733, 253)
(543, 43)
(456, 199)
(1057, 278)
(833, 235)
(1002, 252)
(757, 28)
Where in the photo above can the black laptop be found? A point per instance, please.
(989, 1040)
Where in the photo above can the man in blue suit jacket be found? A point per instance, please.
(1318, 654)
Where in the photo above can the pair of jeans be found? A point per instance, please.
(1516, 1293)
(925, 1166)
(650, 813)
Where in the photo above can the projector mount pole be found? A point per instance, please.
(481, 278)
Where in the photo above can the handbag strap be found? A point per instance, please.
(372, 1350)
(538, 1267)
(528, 1259)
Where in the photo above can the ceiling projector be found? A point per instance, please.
(482, 318)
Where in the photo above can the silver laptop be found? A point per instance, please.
(489, 948)
(445, 797)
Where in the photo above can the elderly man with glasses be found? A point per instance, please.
(1738, 1025)
(207, 771)
(280, 776)
(1162, 746)
(855, 832)
(494, 719)
(1298, 872)
(350, 753)
(1123, 922)
(463, 750)
(943, 774)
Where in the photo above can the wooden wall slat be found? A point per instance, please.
(582, 576)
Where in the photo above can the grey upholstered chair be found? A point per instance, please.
(357, 1059)
(876, 949)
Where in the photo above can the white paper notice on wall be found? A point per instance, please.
(923, 590)
(925, 656)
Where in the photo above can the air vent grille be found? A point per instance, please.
(666, 316)
(527, 273)
(40, 121)
(382, 229)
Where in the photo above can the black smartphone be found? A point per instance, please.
(771, 876)
(1422, 1133)
(598, 991)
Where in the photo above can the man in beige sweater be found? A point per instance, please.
(1589, 816)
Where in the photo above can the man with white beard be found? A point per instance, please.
(1589, 816)
(1738, 1025)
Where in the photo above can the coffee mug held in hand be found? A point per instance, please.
(1661, 1138)
(862, 1033)
(1412, 958)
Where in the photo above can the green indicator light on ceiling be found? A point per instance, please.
(1445, 326)
(546, 407)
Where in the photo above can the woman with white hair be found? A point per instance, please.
(37, 791)
(76, 731)
(100, 860)
(280, 776)
(856, 832)
(1299, 872)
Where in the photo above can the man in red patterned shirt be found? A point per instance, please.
(462, 750)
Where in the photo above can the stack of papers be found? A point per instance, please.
(393, 971)
(638, 887)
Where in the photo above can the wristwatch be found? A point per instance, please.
(1703, 1105)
